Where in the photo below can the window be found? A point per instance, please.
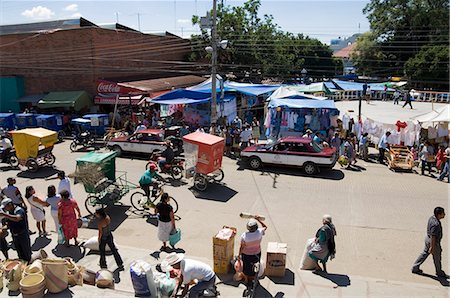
(297, 147)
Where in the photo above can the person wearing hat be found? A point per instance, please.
(15, 215)
(308, 134)
(250, 249)
(190, 270)
(147, 179)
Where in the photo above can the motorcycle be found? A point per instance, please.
(84, 139)
(10, 158)
(174, 168)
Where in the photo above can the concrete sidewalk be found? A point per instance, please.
(296, 283)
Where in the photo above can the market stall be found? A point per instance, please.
(291, 113)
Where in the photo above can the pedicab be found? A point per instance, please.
(203, 158)
(7, 121)
(26, 120)
(33, 147)
(99, 123)
(52, 122)
(97, 172)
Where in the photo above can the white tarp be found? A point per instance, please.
(440, 115)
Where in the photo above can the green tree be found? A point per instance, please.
(259, 49)
(400, 30)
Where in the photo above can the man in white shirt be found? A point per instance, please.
(64, 183)
(190, 270)
(382, 146)
(140, 127)
(246, 136)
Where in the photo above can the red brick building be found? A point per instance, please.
(73, 54)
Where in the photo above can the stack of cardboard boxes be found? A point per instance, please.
(223, 251)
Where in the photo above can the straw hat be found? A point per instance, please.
(170, 260)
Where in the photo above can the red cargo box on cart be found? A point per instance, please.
(210, 151)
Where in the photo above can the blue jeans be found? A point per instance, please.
(445, 171)
(161, 163)
(197, 290)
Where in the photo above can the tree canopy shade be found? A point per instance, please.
(406, 35)
(259, 49)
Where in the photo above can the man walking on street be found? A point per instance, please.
(382, 146)
(432, 244)
(408, 100)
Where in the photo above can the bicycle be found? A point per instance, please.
(140, 201)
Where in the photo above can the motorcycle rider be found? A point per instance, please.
(6, 145)
(167, 156)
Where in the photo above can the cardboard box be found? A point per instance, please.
(276, 259)
(223, 252)
(222, 266)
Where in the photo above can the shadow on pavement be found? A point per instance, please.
(118, 214)
(332, 174)
(64, 294)
(75, 252)
(287, 279)
(444, 282)
(43, 172)
(8, 168)
(40, 242)
(341, 280)
(215, 192)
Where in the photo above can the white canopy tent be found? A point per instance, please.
(440, 115)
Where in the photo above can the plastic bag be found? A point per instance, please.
(175, 237)
(141, 272)
(61, 238)
(307, 263)
(92, 244)
(167, 285)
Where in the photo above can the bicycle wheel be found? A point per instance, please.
(174, 204)
(92, 203)
(200, 182)
(218, 175)
(176, 172)
(138, 200)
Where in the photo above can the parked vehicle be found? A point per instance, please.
(99, 123)
(7, 121)
(52, 122)
(144, 141)
(11, 159)
(26, 120)
(84, 139)
(33, 147)
(291, 151)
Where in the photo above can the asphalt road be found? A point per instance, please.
(380, 215)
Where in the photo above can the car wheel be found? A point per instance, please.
(310, 168)
(73, 146)
(117, 149)
(255, 162)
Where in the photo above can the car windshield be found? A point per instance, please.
(316, 147)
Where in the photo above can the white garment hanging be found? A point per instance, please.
(432, 133)
(442, 130)
(345, 121)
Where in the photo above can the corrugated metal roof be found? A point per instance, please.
(116, 26)
(45, 26)
(164, 83)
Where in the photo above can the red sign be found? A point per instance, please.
(112, 87)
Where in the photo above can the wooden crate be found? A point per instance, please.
(400, 158)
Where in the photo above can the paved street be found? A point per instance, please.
(380, 218)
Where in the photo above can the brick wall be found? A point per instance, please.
(74, 59)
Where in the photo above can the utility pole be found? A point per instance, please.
(117, 17)
(139, 21)
(214, 64)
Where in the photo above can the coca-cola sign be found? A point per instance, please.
(112, 87)
(108, 87)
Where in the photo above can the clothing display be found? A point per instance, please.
(432, 133)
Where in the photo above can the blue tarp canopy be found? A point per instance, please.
(244, 88)
(302, 103)
(355, 86)
(183, 96)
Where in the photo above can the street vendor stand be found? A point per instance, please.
(203, 155)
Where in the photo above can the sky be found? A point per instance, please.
(324, 20)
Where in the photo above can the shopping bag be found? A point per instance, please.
(175, 237)
(61, 238)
